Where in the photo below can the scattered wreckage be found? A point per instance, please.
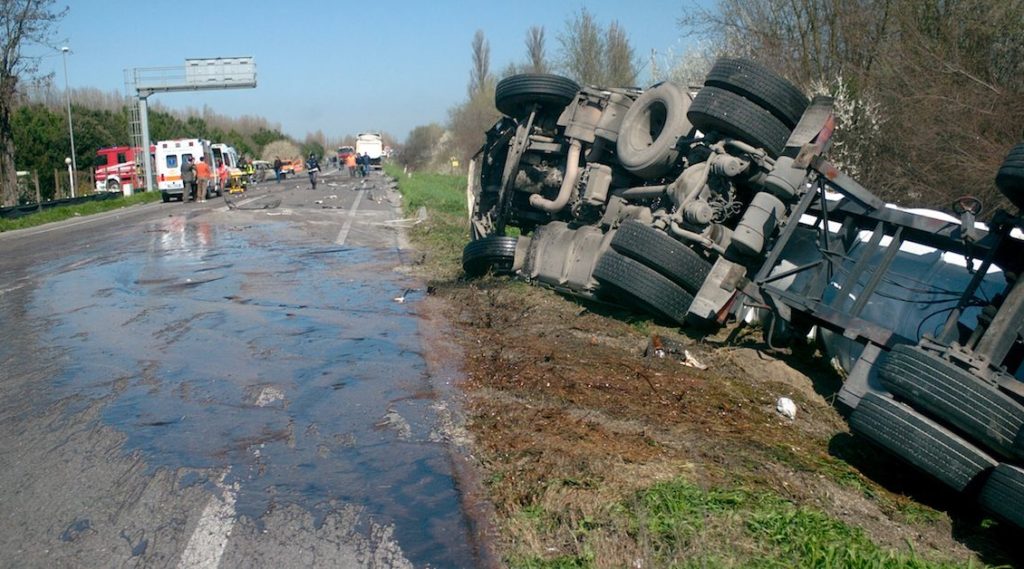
(694, 207)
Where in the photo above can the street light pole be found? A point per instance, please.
(71, 176)
(71, 127)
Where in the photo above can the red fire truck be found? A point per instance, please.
(115, 169)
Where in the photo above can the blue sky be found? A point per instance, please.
(338, 67)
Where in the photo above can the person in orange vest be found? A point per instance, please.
(350, 162)
(203, 175)
(222, 173)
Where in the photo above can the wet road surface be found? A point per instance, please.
(233, 384)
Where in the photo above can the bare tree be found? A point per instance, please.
(22, 22)
(535, 51)
(583, 49)
(480, 76)
(620, 59)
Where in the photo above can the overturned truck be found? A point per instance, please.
(699, 206)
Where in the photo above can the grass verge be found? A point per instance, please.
(445, 232)
(67, 212)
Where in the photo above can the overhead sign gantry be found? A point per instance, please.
(195, 75)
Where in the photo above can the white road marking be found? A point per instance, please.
(208, 541)
(343, 235)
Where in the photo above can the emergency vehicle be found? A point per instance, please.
(229, 155)
(115, 169)
(170, 155)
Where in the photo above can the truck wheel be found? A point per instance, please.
(1003, 494)
(630, 281)
(724, 112)
(515, 95)
(494, 253)
(951, 394)
(113, 185)
(662, 253)
(920, 441)
(761, 85)
(1010, 179)
(650, 129)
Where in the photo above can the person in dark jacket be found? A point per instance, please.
(313, 167)
(277, 168)
(188, 180)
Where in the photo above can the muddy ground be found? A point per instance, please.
(569, 420)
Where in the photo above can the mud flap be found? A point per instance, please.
(712, 302)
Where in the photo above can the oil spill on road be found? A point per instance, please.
(294, 367)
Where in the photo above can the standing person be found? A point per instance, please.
(277, 168)
(364, 160)
(203, 175)
(313, 167)
(188, 179)
(222, 174)
(350, 162)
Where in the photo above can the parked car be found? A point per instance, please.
(697, 207)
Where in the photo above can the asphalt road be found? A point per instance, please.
(239, 383)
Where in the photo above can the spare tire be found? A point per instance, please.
(494, 253)
(1010, 179)
(515, 96)
(724, 112)
(761, 85)
(651, 128)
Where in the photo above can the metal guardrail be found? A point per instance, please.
(14, 212)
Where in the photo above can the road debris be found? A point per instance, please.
(786, 407)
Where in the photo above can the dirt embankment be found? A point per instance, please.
(571, 422)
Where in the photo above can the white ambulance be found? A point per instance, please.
(170, 155)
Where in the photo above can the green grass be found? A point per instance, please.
(439, 193)
(70, 211)
(768, 532)
(446, 231)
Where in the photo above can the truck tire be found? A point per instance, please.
(641, 286)
(493, 253)
(662, 253)
(950, 394)
(514, 96)
(724, 112)
(920, 441)
(650, 129)
(1010, 178)
(113, 185)
(1003, 494)
(761, 85)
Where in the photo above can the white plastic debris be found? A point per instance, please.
(319, 201)
(689, 360)
(786, 407)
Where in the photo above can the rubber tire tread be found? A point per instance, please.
(760, 85)
(643, 286)
(494, 252)
(1010, 178)
(920, 441)
(662, 253)
(718, 110)
(1003, 493)
(942, 390)
(513, 95)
